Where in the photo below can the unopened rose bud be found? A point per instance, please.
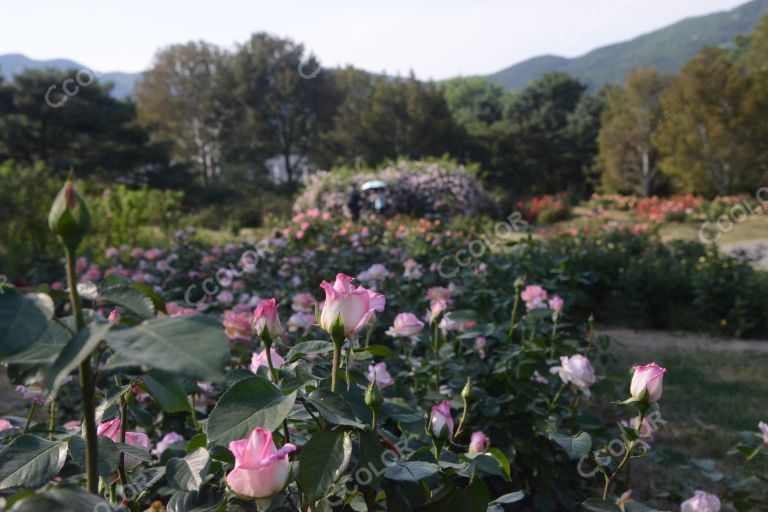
(373, 397)
(466, 392)
(441, 422)
(114, 317)
(69, 217)
(647, 382)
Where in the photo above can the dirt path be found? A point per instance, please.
(682, 341)
(757, 249)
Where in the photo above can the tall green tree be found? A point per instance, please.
(179, 101)
(475, 100)
(632, 113)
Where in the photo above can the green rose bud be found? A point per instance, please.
(466, 392)
(373, 397)
(69, 217)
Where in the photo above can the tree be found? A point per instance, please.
(178, 99)
(631, 115)
(708, 146)
(475, 100)
(278, 102)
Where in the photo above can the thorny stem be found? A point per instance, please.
(86, 384)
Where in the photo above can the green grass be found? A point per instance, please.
(709, 399)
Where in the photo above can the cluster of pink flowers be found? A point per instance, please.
(535, 297)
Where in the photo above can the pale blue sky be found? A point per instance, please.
(435, 38)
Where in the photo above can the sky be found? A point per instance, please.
(436, 39)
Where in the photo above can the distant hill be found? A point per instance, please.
(666, 50)
(14, 63)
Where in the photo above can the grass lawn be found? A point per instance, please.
(709, 398)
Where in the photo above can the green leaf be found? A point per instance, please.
(597, 505)
(30, 461)
(157, 300)
(109, 455)
(129, 298)
(634, 506)
(23, 320)
(322, 461)
(502, 459)
(112, 397)
(377, 350)
(411, 471)
(309, 347)
(63, 499)
(188, 474)
(577, 446)
(168, 390)
(189, 345)
(134, 451)
(333, 408)
(46, 348)
(75, 352)
(197, 441)
(249, 403)
(510, 498)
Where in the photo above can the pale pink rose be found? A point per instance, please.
(478, 443)
(354, 307)
(5, 425)
(534, 296)
(225, 297)
(111, 429)
(556, 304)
(701, 502)
(437, 308)
(237, 325)
(303, 302)
(167, 440)
(114, 317)
(261, 470)
(300, 320)
(405, 325)
(72, 425)
(260, 359)
(266, 322)
(32, 394)
(576, 370)
(481, 269)
(111, 252)
(379, 373)
(412, 270)
(441, 421)
(439, 293)
(764, 429)
(376, 273)
(648, 378)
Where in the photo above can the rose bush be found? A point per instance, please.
(193, 396)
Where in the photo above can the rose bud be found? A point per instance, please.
(347, 309)
(441, 421)
(647, 382)
(261, 470)
(69, 217)
(114, 317)
(701, 502)
(266, 323)
(406, 325)
(478, 443)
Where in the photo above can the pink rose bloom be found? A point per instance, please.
(647, 379)
(5, 425)
(379, 372)
(303, 302)
(137, 252)
(439, 293)
(406, 325)
(701, 502)
(111, 429)
(534, 296)
(576, 370)
(478, 443)
(32, 394)
(376, 273)
(764, 429)
(261, 470)
(114, 317)
(353, 307)
(266, 322)
(441, 421)
(167, 440)
(237, 325)
(300, 320)
(72, 425)
(437, 308)
(556, 304)
(225, 297)
(81, 264)
(260, 359)
(326, 216)
(111, 252)
(412, 269)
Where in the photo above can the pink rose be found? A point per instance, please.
(114, 317)
(478, 443)
(167, 440)
(534, 296)
(352, 307)
(556, 304)
(647, 380)
(437, 308)
(300, 320)
(237, 325)
(379, 372)
(405, 325)
(260, 359)
(764, 429)
(5, 425)
(111, 429)
(441, 421)
(303, 302)
(261, 470)
(701, 502)
(576, 370)
(266, 323)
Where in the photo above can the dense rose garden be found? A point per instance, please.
(331, 366)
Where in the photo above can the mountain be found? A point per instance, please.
(666, 50)
(14, 63)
